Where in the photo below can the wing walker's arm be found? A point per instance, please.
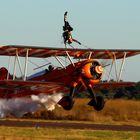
(67, 32)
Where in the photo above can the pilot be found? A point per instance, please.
(67, 32)
(50, 68)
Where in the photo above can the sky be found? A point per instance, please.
(98, 24)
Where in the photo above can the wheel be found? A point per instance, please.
(97, 104)
(66, 102)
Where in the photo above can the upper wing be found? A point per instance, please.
(40, 52)
(10, 88)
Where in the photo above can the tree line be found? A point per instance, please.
(132, 92)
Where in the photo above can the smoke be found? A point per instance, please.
(48, 101)
(17, 106)
(20, 106)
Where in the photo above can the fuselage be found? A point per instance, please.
(72, 73)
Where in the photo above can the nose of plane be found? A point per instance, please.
(99, 69)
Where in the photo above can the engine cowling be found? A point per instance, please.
(92, 70)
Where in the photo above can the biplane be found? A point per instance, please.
(83, 72)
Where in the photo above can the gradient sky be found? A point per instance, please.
(98, 24)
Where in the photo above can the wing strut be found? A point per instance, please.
(122, 65)
(90, 54)
(70, 58)
(26, 64)
(60, 62)
(17, 60)
(19, 63)
(9, 61)
(14, 71)
(118, 74)
(110, 70)
(115, 66)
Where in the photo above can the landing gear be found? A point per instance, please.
(67, 102)
(97, 101)
(97, 104)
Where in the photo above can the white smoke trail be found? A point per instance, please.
(20, 106)
(17, 107)
(48, 101)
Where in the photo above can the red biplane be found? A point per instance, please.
(84, 72)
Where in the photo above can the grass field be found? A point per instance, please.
(120, 111)
(9, 133)
(115, 112)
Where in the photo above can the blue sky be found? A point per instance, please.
(98, 24)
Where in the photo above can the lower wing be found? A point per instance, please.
(11, 89)
(113, 85)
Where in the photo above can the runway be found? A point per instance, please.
(68, 125)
